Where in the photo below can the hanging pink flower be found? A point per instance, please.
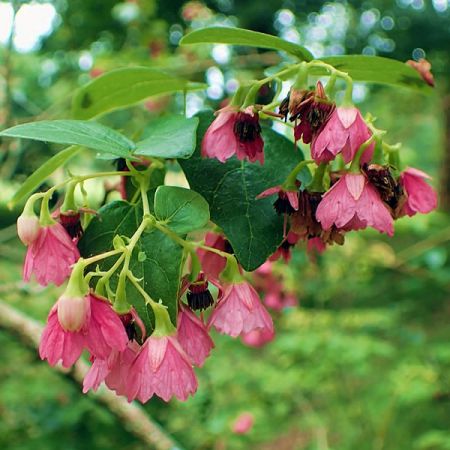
(258, 337)
(161, 368)
(421, 197)
(101, 333)
(114, 370)
(51, 256)
(285, 249)
(193, 336)
(353, 203)
(239, 310)
(243, 424)
(344, 133)
(234, 132)
(287, 201)
(212, 263)
(315, 245)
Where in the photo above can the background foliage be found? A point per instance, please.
(364, 363)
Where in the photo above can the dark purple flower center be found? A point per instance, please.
(247, 128)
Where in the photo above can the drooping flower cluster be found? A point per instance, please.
(357, 183)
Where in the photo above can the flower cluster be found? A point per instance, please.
(144, 348)
(122, 356)
(352, 188)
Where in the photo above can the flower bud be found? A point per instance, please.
(28, 228)
(73, 312)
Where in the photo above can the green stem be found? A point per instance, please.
(163, 324)
(355, 165)
(316, 184)
(107, 275)
(144, 197)
(290, 182)
(120, 304)
(188, 245)
(302, 77)
(94, 259)
(69, 199)
(45, 218)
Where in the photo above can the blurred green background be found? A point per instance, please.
(364, 362)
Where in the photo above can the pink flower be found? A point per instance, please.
(287, 201)
(234, 132)
(353, 203)
(344, 133)
(315, 245)
(284, 250)
(101, 333)
(421, 197)
(239, 310)
(258, 337)
(243, 424)
(50, 256)
(161, 368)
(28, 228)
(212, 263)
(278, 300)
(193, 336)
(114, 370)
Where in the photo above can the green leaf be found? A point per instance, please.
(74, 132)
(42, 173)
(376, 69)
(156, 259)
(252, 226)
(182, 210)
(124, 87)
(239, 36)
(169, 137)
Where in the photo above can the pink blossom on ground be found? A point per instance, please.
(51, 256)
(344, 133)
(239, 310)
(421, 197)
(193, 336)
(234, 132)
(161, 368)
(243, 424)
(258, 337)
(353, 203)
(101, 334)
(212, 263)
(291, 196)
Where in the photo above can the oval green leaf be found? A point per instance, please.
(252, 226)
(182, 210)
(74, 132)
(124, 87)
(239, 36)
(169, 137)
(376, 69)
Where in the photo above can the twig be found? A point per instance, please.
(131, 415)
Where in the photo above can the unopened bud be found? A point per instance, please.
(73, 312)
(28, 228)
